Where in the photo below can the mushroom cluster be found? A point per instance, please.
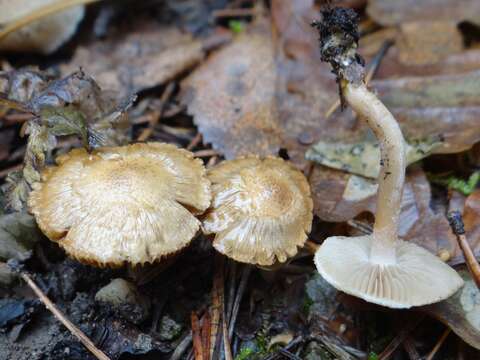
(133, 204)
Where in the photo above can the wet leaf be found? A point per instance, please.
(461, 312)
(363, 158)
(393, 12)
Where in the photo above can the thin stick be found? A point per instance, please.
(216, 307)
(41, 13)
(456, 223)
(370, 73)
(195, 141)
(233, 13)
(61, 317)
(236, 306)
(197, 337)
(410, 349)
(182, 347)
(205, 153)
(7, 171)
(156, 115)
(438, 344)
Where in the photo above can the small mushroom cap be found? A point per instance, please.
(261, 209)
(122, 204)
(44, 35)
(418, 278)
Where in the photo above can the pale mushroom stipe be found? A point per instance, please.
(379, 267)
(261, 210)
(132, 204)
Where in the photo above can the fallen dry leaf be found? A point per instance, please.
(428, 42)
(394, 12)
(147, 56)
(461, 312)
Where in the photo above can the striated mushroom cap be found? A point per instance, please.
(261, 209)
(44, 35)
(122, 204)
(418, 277)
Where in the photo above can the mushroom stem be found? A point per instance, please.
(392, 174)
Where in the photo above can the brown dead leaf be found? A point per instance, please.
(428, 42)
(461, 312)
(394, 12)
(149, 55)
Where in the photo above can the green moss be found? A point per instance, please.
(245, 354)
(460, 185)
(236, 26)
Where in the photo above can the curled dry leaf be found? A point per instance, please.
(393, 12)
(461, 312)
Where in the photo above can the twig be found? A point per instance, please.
(212, 161)
(197, 337)
(401, 336)
(182, 347)
(195, 141)
(456, 223)
(438, 344)
(205, 153)
(370, 73)
(61, 317)
(206, 334)
(238, 299)
(216, 308)
(7, 171)
(233, 12)
(41, 13)
(231, 290)
(286, 350)
(156, 115)
(410, 348)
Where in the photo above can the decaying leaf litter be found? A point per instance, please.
(226, 79)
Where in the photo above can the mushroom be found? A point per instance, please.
(44, 35)
(379, 267)
(261, 209)
(131, 204)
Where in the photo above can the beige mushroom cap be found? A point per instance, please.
(261, 209)
(418, 278)
(45, 35)
(122, 204)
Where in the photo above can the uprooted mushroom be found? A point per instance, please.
(379, 267)
(132, 204)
